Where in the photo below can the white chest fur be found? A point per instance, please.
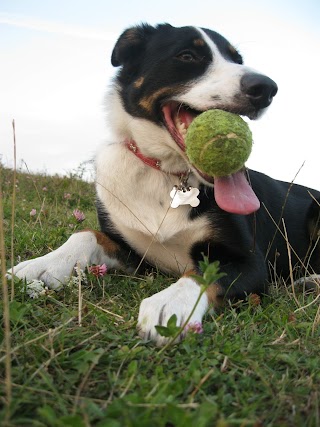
(137, 199)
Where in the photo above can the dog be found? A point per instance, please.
(256, 227)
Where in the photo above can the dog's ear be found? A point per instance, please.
(131, 44)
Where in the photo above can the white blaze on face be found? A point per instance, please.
(220, 83)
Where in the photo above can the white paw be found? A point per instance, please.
(311, 282)
(179, 299)
(57, 266)
(52, 269)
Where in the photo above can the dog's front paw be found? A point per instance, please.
(179, 299)
(50, 269)
(56, 267)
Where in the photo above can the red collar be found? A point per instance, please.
(149, 161)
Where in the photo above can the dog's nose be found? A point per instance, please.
(259, 89)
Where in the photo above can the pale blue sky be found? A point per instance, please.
(55, 68)
(116, 14)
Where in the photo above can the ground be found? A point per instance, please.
(76, 358)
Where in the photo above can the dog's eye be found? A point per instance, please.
(186, 56)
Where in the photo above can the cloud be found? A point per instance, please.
(56, 27)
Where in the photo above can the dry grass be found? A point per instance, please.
(76, 359)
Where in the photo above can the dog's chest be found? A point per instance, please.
(164, 237)
(139, 208)
(146, 208)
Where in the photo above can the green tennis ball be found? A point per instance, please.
(218, 143)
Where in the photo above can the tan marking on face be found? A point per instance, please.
(148, 101)
(232, 49)
(131, 34)
(138, 83)
(198, 42)
(110, 248)
(215, 295)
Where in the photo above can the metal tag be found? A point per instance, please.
(181, 195)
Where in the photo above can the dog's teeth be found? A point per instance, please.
(183, 131)
(181, 127)
(177, 122)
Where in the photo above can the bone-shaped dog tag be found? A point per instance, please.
(184, 196)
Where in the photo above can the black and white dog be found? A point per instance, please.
(169, 75)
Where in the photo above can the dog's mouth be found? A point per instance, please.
(232, 193)
(178, 118)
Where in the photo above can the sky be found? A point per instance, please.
(55, 70)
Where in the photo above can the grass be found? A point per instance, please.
(255, 364)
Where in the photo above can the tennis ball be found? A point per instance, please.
(218, 143)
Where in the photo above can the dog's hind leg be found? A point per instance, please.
(309, 283)
(311, 279)
(81, 249)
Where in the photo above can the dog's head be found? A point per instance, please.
(170, 75)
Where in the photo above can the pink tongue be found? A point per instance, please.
(234, 194)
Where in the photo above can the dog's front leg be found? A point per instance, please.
(183, 299)
(81, 249)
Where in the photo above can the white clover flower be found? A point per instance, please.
(79, 275)
(35, 289)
